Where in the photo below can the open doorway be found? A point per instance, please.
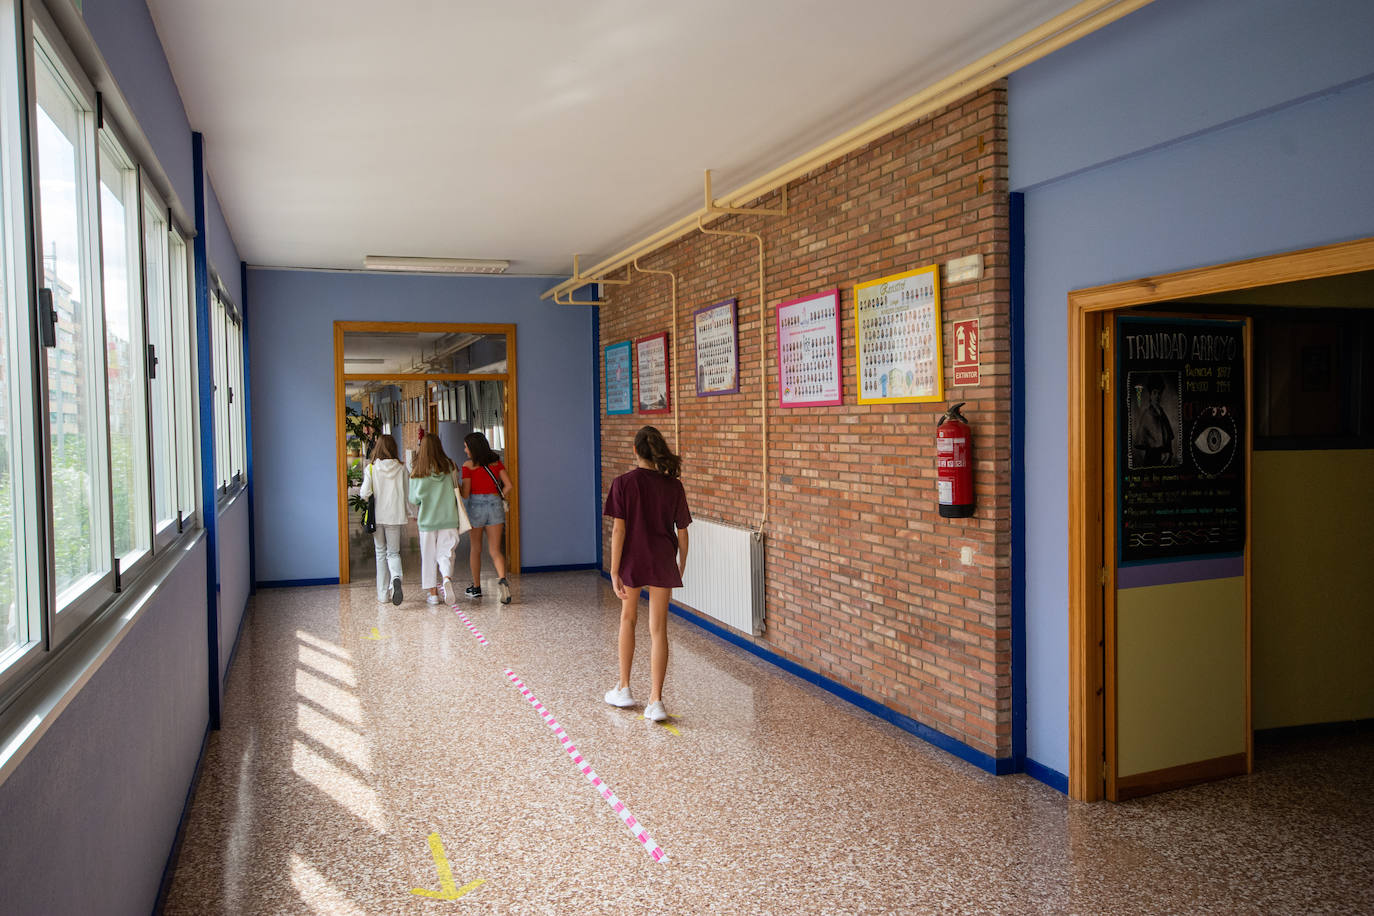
(407, 379)
(1301, 619)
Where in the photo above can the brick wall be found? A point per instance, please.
(865, 582)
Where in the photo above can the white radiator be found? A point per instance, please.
(724, 576)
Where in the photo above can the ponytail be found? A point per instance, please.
(650, 446)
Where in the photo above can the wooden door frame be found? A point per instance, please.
(1088, 744)
(511, 453)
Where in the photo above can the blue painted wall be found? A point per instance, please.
(129, 43)
(97, 801)
(105, 785)
(234, 580)
(224, 255)
(292, 339)
(1192, 132)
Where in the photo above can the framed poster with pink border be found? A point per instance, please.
(717, 349)
(897, 338)
(651, 365)
(809, 351)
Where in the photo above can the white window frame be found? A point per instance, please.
(78, 603)
(180, 259)
(21, 346)
(161, 336)
(112, 144)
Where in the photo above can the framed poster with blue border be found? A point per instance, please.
(717, 348)
(620, 397)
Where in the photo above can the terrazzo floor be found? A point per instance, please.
(378, 759)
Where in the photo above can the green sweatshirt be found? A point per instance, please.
(438, 505)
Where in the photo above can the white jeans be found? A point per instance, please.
(437, 546)
(386, 540)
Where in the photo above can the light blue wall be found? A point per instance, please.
(90, 814)
(234, 579)
(292, 385)
(224, 255)
(129, 43)
(1192, 132)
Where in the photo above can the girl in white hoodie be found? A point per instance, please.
(385, 478)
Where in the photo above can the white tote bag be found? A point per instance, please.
(463, 524)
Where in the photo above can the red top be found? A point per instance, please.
(481, 480)
(653, 506)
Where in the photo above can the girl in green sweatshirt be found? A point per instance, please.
(431, 488)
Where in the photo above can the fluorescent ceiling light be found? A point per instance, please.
(364, 359)
(435, 265)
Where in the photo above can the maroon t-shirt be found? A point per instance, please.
(653, 506)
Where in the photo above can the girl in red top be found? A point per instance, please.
(485, 484)
(648, 549)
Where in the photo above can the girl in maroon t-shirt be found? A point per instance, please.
(648, 550)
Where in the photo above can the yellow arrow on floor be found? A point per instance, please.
(448, 888)
(671, 728)
(376, 635)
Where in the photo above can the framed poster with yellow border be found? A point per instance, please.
(897, 335)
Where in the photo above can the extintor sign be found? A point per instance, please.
(967, 368)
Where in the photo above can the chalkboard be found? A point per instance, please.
(1181, 438)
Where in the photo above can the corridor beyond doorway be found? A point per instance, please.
(355, 732)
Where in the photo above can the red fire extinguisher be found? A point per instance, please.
(954, 464)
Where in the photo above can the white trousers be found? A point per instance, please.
(437, 547)
(386, 540)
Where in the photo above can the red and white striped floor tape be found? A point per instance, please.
(616, 804)
(468, 623)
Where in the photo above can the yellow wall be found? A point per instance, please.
(1313, 596)
(1180, 674)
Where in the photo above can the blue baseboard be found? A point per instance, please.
(574, 567)
(995, 765)
(1052, 778)
(297, 583)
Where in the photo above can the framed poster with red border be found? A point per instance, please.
(651, 365)
(809, 372)
(897, 338)
(717, 348)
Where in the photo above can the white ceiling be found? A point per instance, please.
(528, 130)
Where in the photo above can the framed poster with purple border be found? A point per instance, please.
(651, 367)
(620, 396)
(717, 348)
(809, 351)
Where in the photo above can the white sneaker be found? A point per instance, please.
(620, 696)
(433, 599)
(654, 711)
(450, 596)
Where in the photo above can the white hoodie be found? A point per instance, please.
(388, 481)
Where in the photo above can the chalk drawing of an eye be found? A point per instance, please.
(1212, 440)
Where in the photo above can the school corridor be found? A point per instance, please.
(379, 759)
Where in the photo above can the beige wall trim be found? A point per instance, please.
(1062, 30)
(1087, 311)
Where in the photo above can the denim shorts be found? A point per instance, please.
(485, 509)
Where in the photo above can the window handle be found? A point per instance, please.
(152, 361)
(48, 317)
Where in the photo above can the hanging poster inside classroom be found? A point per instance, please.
(897, 338)
(1181, 438)
(619, 379)
(717, 348)
(809, 351)
(651, 366)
